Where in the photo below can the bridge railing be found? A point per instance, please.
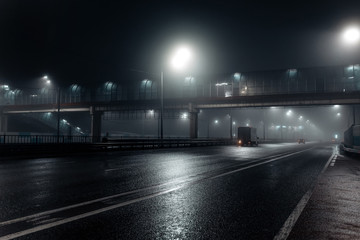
(331, 79)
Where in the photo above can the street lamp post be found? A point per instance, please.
(58, 115)
(179, 60)
(48, 81)
(162, 104)
(351, 35)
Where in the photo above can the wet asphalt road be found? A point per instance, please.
(225, 192)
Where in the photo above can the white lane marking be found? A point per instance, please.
(37, 215)
(333, 161)
(84, 215)
(291, 220)
(101, 210)
(261, 163)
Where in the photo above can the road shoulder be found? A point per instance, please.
(332, 212)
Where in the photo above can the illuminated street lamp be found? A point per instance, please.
(179, 61)
(48, 82)
(351, 36)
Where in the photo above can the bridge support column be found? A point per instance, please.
(95, 125)
(3, 123)
(193, 121)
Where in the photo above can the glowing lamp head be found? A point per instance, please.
(181, 58)
(351, 35)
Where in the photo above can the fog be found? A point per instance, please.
(288, 123)
(323, 123)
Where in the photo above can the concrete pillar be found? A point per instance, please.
(3, 123)
(193, 121)
(95, 125)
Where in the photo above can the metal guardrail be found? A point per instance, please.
(160, 143)
(43, 139)
(37, 146)
(123, 142)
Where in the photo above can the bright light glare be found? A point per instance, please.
(45, 77)
(288, 113)
(221, 84)
(351, 35)
(338, 114)
(216, 121)
(48, 81)
(336, 136)
(181, 58)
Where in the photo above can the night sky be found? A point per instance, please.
(96, 41)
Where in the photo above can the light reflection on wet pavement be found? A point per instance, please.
(176, 194)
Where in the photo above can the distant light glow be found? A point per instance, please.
(301, 117)
(221, 84)
(336, 106)
(189, 78)
(184, 115)
(5, 87)
(338, 114)
(351, 35)
(45, 77)
(288, 113)
(336, 136)
(247, 124)
(237, 76)
(234, 123)
(216, 121)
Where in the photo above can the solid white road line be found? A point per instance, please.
(84, 215)
(291, 220)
